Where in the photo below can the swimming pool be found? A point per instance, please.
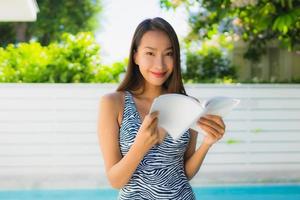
(246, 192)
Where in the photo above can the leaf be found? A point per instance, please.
(233, 141)
(283, 23)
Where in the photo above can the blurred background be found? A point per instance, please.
(57, 58)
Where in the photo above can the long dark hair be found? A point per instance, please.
(133, 79)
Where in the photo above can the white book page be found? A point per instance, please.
(178, 113)
(219, 105)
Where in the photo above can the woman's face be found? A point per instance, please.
(154, 57)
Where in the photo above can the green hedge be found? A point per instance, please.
(75, 59)
(209, 65)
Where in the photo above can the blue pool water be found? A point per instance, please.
(255, 192)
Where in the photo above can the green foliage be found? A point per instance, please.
(208, 65)
(111, 73)
(255, 21)
(233, 141)
(75, 59)
(54, 18)
(23, 63)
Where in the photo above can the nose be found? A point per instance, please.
(159, 62)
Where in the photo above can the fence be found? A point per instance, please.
(48, 135)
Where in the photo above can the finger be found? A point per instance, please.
(149, 118)
(209, 130)
(154, 136)
(217, 119)
(153, 125)
(162, 131)
(212, 124)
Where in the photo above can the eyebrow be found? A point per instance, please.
(156, 49)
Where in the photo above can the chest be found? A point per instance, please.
(134, 113)
(167, 149)
(142, 107)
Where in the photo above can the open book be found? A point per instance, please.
(178, 113)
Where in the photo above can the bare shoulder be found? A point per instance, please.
(112, 100)
(114, 97)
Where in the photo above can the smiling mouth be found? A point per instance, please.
(158, 74)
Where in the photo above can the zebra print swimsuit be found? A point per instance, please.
(160, 175)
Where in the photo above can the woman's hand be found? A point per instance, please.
(214, 126)
(148, 134)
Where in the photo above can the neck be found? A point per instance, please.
(151, 92)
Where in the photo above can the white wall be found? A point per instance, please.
(48, 135)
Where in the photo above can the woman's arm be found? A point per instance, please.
(193, 158)
(120, 169)
(215, 128)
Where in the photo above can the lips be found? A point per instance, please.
(158, 74)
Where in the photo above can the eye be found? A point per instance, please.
(170, 53)
(149, 53)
